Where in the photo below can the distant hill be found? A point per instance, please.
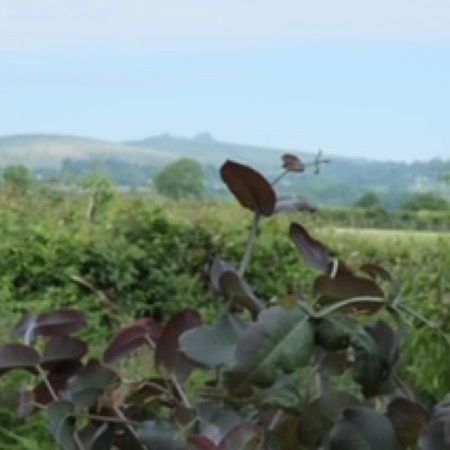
(49, 151)
(136, 162)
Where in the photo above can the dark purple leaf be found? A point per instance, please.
(344, 286)
(18, 356)
(60, 350)
(320, 415)
(250, 188)
(408, 418)
(167, 355)
(376, 357)
(292, 163)
(316, 254)
(59, 323)
(243, 437)
(129, 339)
(97, 436)
(227, 281)
(201, 443)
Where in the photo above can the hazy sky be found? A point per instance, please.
(354, 77)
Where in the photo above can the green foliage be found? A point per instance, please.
(141, 259)
(18, 179)
(426, 201)
(368, 200)
(181, 179)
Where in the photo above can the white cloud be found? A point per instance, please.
(161, 24)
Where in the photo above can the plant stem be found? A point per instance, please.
(176, 384)
(279, 177)
(349, 302)
(275, 419)
(47, 383)
(129, 426)
(250, 244)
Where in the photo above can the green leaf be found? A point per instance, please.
(61, 424)
(213, 346)
(362, 429)
(160, 435)
(280, 341)
(320, 415)
(377, 353)
(89, 383)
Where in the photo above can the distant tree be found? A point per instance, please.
(426, 201)
(101, 191)
(184, 178)
(368, 200)
(18, 178)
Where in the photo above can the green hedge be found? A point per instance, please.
(153, 259)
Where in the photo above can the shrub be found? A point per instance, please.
(318, 371)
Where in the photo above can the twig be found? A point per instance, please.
(250, 244)
(129, 426)
(176, 384)
(45, 379)
(279, 177)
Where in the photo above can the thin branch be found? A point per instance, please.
(45, 379)
(129, 426)
(349, 302)
(250, 245)
(176, 384)
(279, 177)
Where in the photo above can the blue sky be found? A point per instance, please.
(356, 78)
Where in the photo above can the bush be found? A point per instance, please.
(312, 370)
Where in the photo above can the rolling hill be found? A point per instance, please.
(135, 163)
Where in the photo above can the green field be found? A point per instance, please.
(153, 256)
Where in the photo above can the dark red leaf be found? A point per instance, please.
(315, 253)
(62, 349)
(225, 279)
(292, 163)
(167, 354)
(129, 339)
(345, 285)
(244, 436)
(202, 443)
(18, 356)
(408, 419)
(250, 188)
(59, 323)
